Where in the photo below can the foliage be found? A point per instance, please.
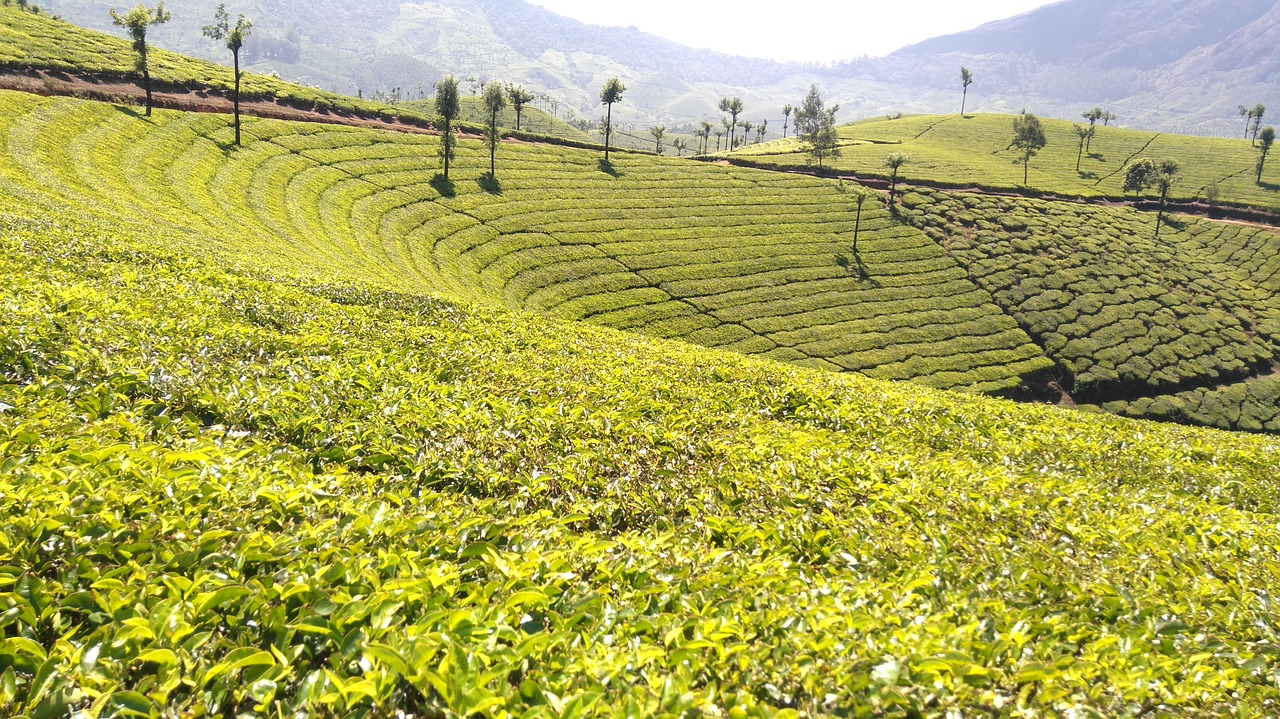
(1268, 138)
(816, 127)
(1119, 313)
(446, 103)
(519, 97)
(733, 106)
(975, 152)
(495, 100)
(609, 94)
(1028, 138)
(136, 22)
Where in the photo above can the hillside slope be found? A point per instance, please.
(740, 259)
(242, 476)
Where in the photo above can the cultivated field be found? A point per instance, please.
(738, 259)
(976, 150)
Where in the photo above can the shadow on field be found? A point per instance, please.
(607, 168)
(489, 184)
(1273, 186)
(1088, 175)
(444, 186)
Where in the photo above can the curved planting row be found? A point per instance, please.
(1127, 315)
(724, 257)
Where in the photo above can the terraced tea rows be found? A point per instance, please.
(976, 150)
(724, 257)
(1122, 313)
(226, 494)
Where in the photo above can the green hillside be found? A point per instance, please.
(739, 259)
(243, 477)
(36, 41)
(975, 150)
(1127, 318)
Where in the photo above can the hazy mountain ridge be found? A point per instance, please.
(1182, 65)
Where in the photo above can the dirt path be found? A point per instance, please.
(90, 87)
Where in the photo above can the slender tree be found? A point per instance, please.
(786, 116)
(1247, 114)
(1146, 173)
(234, 36)
(719, 135)
(747, 126)
(136, 22)
(733, 106)
(761, 130)
(966, 79)
(447, 108)
(859, 195)
(729, 127)
(494, 100)
(658, 132)
(1268, 138)
(1084, 133)
(1092, 116)
(1028, 137)
(681, 145)
(609, 94)
(704, 131)
(519, 97)
(895, 162)
(1258, 111)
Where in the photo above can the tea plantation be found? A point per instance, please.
(976, 150)
(229, 491)
(1121, 312)
(303, 429)
(739, 259)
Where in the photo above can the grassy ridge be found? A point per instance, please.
(724, 257)
(35, 41)
(976, 150)
(227, 493)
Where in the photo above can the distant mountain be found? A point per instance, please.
(1181, 65)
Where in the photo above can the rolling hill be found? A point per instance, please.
(304, 428)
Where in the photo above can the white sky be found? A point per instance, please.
(816, 30)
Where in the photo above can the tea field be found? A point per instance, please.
(31, 41)
(738, 259)
(1124, 314)
(231, 491)
(976, 151)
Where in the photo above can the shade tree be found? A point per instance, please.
(966, 79)
(447, 107)
(233, 36)
(1144, 174)
(1268, 138)
(658, 132)
(816, 127)
(1029, 139)
(519, 97)
(494, 101)
(733, 106)
(136, 22)
(895, 161)
(610, 94)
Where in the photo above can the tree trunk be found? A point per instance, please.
(857, 224)
(1079, 154)
(964, 99)
(518, 111)
(445, 138)
(236, 96)
(493, 145)
(1164, 192)
(1026, 162)
(608, 130)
